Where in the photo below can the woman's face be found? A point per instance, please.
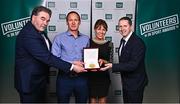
(100, 32)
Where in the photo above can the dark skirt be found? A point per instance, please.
(99, 83)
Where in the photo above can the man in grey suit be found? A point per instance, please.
(33, 58)
(131, 63)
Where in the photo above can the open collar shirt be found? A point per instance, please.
(69, 48)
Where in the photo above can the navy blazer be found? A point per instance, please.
(132, 64)
(33, 59)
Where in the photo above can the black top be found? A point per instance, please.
(99, 81)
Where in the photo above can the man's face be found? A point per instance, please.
(124, 28)
(41, 21)
(73, 22)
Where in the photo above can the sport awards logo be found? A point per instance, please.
(12, 28)
(159, 26)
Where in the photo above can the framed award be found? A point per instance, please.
(91, 58)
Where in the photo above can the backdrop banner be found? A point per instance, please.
(14, 15)
(91, 10)
(157, 22)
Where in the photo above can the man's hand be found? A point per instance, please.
(78, 69)
(101, 62)
(107, 66)
(79, 63)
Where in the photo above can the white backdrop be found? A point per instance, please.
(90, 11)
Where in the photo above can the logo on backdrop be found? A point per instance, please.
(159, 26)
(12, 28)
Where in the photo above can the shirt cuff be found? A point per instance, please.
(72, 66)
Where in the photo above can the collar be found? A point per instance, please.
(127, 38)
(69, 33)
(99, 41)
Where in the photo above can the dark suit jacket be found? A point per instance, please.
(33, 59)
(132, 64)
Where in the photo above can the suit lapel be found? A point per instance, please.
(45, 38)
(127, 47)
(48, 41)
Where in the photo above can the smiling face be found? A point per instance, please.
(41, 20)
(73, 22)
(100, 29)
(124, 28)
(100, 32)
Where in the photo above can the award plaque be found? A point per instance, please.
(91, 58)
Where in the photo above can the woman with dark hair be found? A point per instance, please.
(99, 81)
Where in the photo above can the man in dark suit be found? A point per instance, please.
(33, 58)
(131, 63)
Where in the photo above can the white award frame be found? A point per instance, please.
(91, 58)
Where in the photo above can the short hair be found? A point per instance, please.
(74, 13)
(38, 9)
(126, 18)
(100, 22)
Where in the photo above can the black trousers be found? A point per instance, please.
(36, 96)
(133, 96)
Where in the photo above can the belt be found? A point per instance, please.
(71, 74)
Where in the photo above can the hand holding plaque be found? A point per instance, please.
(91, 58)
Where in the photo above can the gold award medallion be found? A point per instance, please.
(91, 65)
